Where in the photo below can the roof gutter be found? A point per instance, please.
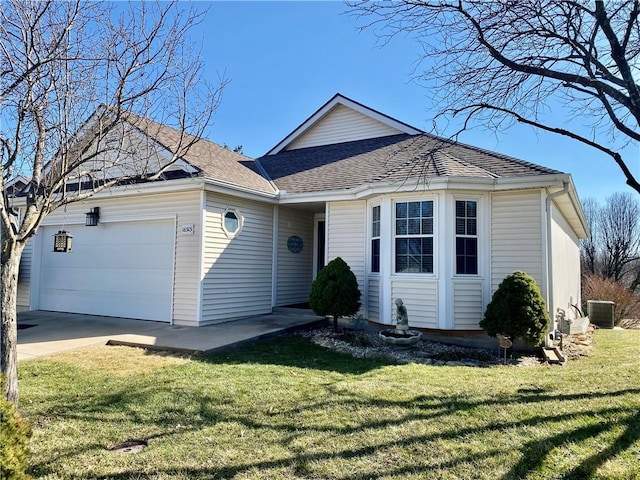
(229, 188)
(420, 185)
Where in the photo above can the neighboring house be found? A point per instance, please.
(436, 223)
(14, 186)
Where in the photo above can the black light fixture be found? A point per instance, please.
(92, 217)
(62, 241)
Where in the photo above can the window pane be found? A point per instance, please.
(427, 209)
(427, 246)
(471, 209)
(472, 247)
(460, 226)
(460, 208)
(414, 226)
(231, 222)
(415, 265)
(401, 263)
(401, 210)
(414, 209)
(467, 256)
(427, 264)
(415, 246)
(460, 268)
(375, 229)
(376, 214)
(427, 226)
(401, 227)
(402, 246)
(471, 265)
(471, 226)
(375, 255)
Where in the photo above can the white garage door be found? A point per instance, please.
(115, 269)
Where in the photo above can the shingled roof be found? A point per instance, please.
(212, 160)
(395, 158)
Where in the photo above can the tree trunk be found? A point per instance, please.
(9, 332)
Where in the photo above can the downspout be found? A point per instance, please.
(550, 197)
(274, 256)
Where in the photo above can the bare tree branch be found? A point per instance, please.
(505, 61)
(85, 87)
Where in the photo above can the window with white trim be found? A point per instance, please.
(466, 237)
(414, 237)
(375, 239)
(231, 222)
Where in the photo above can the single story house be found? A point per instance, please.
(434, 222)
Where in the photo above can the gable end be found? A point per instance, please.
(342, 120)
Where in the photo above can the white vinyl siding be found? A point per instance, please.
(468, 308)
(237, 271)
(342, 124)
(181, 208)
(346, 237)
(24, 277)
(516, 235)
(421, 299)
(373, 296)
(295, 270)
(565, 263)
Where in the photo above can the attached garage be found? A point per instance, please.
(122, 269)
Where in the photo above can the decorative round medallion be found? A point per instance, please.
(294, 244)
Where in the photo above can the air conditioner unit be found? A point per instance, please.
(601, 313)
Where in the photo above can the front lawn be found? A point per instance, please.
(288, 409)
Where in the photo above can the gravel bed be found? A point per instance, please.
(366, 343)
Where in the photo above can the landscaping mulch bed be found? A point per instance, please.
(366, 343)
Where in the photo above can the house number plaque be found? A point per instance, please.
(187, 229)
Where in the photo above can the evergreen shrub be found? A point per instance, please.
(335, 291)
(517, 310)
(14, 442)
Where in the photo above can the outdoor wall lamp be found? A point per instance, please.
(62, 241)
(92, 217)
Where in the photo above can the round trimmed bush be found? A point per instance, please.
(517, 310)
(335, 291)
(14, 442)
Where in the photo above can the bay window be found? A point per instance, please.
(375, 239)
(466, 237)
(414, 237)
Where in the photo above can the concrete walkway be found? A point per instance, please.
(46, 333)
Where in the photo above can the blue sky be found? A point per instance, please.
(284, 60)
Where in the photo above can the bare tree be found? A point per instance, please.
(620, 235)
(75, 77)
(590, 252)
(613, 251)
(505, 61)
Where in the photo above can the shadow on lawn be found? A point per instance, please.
(297, 352)
(180, 417)
(532, 456)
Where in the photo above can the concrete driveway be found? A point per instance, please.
(45, 333)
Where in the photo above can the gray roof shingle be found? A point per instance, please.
(212, 160)
(395, 158)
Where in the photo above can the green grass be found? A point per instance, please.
(288, 409)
